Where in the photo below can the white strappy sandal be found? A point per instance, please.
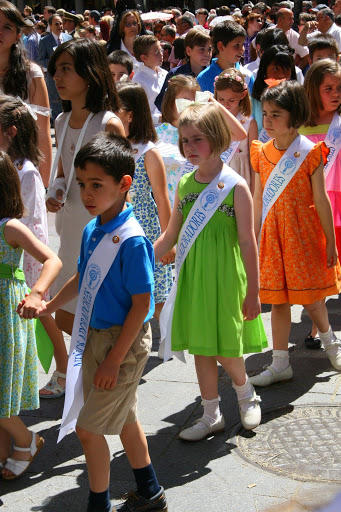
(56, 389)
(19, 467)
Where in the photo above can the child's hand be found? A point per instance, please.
(31, 306)
(251, 307)
(106, 375)
(169, 257)
(331, 255)
(54, 205)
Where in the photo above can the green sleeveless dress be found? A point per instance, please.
(18, 351)
(212, 285)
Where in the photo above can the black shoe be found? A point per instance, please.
(312, 343)
(135, 502)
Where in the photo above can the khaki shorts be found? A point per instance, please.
(106, 411)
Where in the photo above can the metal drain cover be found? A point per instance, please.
(303, 442)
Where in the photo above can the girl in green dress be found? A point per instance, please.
(18, 351)
(217, 307)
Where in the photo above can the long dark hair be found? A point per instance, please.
(91, 63)
(11, 204)
(25, 143)
(134, 99)
(279, 54)
(14, 81)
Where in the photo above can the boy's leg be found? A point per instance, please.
(97, 457)
(149, 495)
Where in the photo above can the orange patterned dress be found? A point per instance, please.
(292, 254)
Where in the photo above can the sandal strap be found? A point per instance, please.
(57, 374)
(254, 398)
(32, 448)
(16, 466)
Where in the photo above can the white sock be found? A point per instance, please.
(327, 339)
(244, 391)
(280, 361)
(211, 412)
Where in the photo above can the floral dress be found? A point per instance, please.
(18, 352)
(145, 211)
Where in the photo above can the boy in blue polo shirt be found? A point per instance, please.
(228, 39)
(119, 339)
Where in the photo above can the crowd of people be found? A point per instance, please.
(197, 175)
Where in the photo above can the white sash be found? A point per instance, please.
(333, 142)
(65, 187)
(140, 149)
(96, 270)
(201, 212)
(284, 171)
(230, 152)
(263, 136)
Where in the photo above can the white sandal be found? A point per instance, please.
(56, 389)
(19, 467)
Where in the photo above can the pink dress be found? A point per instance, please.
(333, 182)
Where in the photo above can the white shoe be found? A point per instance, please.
(202, 428)
(250, 411)
(334, 359)
(267, 380)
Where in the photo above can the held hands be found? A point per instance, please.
(31, 307)
(106, 375)
(169, 257)
(55, 204)
(251, 307)
(331, 255)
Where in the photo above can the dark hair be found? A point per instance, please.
(322, 42)
(53, 16)
(285, 96)
(281, 56)
(50, 9)
(11, 204)
(123, 58)
(91, 63)
(14, 81)
(25, 143)
(225, 32)
(134, 99)
(142, 45)
(179, 48)
(272, 37)
(112, 153)
(223, 10)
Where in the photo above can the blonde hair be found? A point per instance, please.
(233, 79)
(175, 85)
(312, 82)
(211, 122)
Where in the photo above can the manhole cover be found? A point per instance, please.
(302, 442)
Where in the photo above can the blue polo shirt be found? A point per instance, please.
(206, 78)
(131, 273)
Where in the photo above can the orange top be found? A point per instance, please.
(292, 254)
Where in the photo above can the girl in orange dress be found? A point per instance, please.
(298, 256)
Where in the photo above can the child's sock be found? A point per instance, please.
(280, 361)
(211, 409)
(244, 391)
(147, 484)
(99, 501)
(327, 338)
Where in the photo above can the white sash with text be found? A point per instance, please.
(96, 270)
(201, 212)
(284, 171)
(333, 142)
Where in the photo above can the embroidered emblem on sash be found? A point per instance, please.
(93, 276)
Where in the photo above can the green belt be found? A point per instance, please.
(9, 272)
